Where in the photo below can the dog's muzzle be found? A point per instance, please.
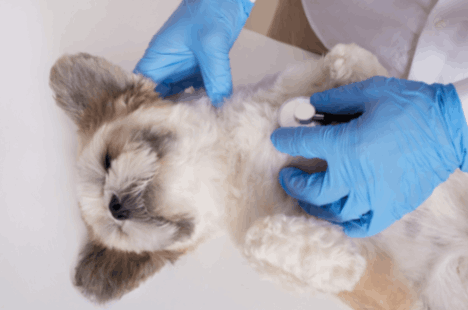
(118, 210)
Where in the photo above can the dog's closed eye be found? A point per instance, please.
(107, 161)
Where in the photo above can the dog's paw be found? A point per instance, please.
(304, 254)
(349, 63)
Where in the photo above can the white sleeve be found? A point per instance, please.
(442, 51)
(462, 90)
(387, 28)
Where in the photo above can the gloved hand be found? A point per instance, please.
(192, 48)
(383, 164)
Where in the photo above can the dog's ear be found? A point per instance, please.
(104, 274)
(81, 81)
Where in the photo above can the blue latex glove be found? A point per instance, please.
(192, 48)
(382, 165)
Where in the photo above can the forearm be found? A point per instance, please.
(462, 90)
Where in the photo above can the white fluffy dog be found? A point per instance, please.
(158, 177)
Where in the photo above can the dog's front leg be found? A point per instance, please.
(304, 254)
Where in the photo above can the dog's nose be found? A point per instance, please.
(117, 209)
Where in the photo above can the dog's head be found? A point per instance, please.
(142, 190)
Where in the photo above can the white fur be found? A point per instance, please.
(430, 245)
(304, 254)
(223, 172)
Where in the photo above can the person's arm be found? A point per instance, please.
(462, 90)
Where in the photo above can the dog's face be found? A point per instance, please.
(122, 172)
(140, 187)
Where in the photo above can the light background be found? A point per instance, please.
(41, 231)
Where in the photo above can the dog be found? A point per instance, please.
(157, 177)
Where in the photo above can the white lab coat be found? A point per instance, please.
(423, 40)
(434, 32)
(442, 52)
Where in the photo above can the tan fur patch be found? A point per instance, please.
(92, 91)
(380, 288)
(104, 274)
(129, 100)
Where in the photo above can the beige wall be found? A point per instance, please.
(262, 16)
(285, 21)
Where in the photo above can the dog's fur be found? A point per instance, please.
(183, 170)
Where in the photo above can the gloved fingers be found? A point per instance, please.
(247, 6)
(168, 88)
(216, 71)
(370, 223)
(153, 65)
(170, 67)
(330, 212)
(308, 142)
(383, 217)
(348, 99)
(366, 222)
(358, 228)
(316, 188)
(354, 216)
